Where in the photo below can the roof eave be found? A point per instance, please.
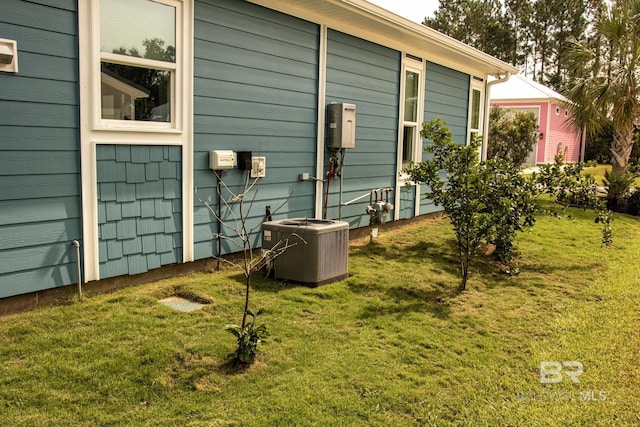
(366, 20)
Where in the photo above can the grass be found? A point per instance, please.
(393, 345)
(598, 173)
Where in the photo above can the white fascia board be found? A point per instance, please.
(368, 21)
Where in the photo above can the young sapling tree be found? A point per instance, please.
(235, 229)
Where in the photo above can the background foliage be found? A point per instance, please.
(532, 35)
(512, 135)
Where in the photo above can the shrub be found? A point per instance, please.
(512, 135)
(485, 201)
(617, 188)
(633, 203)
(248, 337)
(491, 201)
(598, 145)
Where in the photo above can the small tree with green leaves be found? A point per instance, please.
(461, 194)
(570, 186)
(491, 201)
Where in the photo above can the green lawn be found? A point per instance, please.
(393, 345)
(598, 173)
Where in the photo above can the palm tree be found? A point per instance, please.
(608, 78)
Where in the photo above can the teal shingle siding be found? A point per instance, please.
(40, 204)
(407, 202)
(138, 211)
(368, 75)
(255, 85)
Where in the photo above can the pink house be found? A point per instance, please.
(556, 133)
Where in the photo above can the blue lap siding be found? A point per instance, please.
(256, 79)
(368, 75)
(256, 85)
(39, 150)
(446, 96)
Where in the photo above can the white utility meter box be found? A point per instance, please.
(222, 160)
(341, 125)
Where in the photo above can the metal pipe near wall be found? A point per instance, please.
(487, 104)
(368, 193)
(341, 171)
(77, 245)
(219, 222)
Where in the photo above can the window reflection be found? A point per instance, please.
(135, 93)
(407, 145)
(138, 28)
(412, 82)
(475, 109)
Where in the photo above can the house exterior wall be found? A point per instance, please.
(367, 75)
(543, 120)
(261, 82)
(139, 208)
(447, 97)
(562, 138)
(255, 85)
(40, 213)
(557, 134)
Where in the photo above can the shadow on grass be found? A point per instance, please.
(438, 268)
(432, 295)
(399, 301)
(441, 255)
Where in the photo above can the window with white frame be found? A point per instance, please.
(140, 57)
(475, 108)
(136, 83)
(412, 99)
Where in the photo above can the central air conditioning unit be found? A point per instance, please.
(317, 252)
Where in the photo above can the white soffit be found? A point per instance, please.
(371, 22)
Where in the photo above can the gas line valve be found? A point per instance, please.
(378, 208)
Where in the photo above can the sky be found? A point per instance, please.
(415, 10)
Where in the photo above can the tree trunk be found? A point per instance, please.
(246, 299)
(463, 283)
(621, 147)
(464, 269)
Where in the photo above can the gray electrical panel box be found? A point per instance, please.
(341, 125)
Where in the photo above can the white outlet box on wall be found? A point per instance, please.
(258, 167)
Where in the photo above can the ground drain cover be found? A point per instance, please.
(181, 304)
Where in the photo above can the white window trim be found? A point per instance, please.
(479, 86)
(409, 64)
(418, 67)
(94, 130)
(176, 69)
